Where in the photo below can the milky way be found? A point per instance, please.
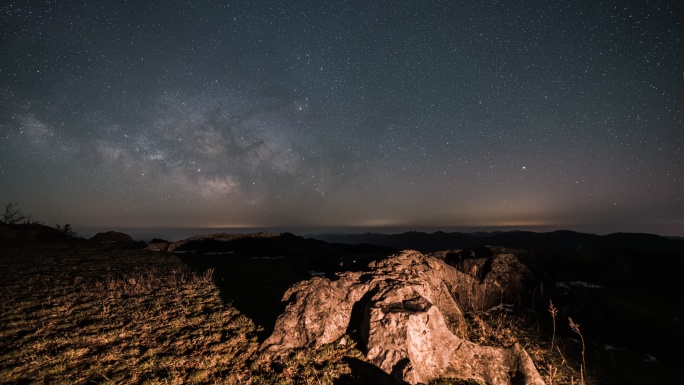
(438, 114)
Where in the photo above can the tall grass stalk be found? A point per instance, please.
(576, 328)
(553, 311)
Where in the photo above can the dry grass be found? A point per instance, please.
(324, 365)
(502, 329)
(576, 328)
(118, 316)
(77, 315)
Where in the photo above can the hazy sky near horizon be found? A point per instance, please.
(556, 114)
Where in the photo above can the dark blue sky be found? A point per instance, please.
(555, 114)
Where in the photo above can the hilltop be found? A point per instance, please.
(219, 296)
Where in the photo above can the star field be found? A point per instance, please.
(440, 114)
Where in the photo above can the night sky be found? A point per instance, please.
(413, 114)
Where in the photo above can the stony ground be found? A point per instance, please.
(78, 314)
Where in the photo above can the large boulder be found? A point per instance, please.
(499, 272)
(158, 245)
(508, 275)
(407, 309)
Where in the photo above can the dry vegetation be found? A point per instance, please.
(88, 315)
(77, 314)
(118, 316)
(500, 328)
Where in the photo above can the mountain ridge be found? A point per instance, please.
(559, 240)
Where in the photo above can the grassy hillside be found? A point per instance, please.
(78, 313)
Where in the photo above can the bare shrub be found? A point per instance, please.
(12, 215)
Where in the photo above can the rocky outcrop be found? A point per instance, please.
(407, 310)
(158, 245)
(508, 275)
(500, 274)
(112, 237)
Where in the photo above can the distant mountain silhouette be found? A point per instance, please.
(556, 240)
(645, 243)
(561, 240)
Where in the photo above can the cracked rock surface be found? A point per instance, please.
(406, 310)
